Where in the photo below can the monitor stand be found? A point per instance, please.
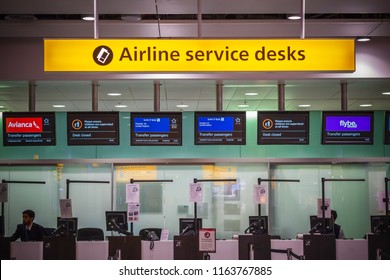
(59, 248)
(254, 247)
(124, 247)
(319, 247)
(186, 248)
(379, 246)
(5, 248)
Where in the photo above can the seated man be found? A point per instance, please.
(338, 231)
(28, 231)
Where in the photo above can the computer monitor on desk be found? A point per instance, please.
(66, 227)
(257, 225)
(316, 225)
(116, 221)
(380, 224)
(187, 226)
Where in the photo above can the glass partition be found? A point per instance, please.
(226, 205)
(41, 198)
(89, 200)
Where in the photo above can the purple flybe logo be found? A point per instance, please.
(348, 123)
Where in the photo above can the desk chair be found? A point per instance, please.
(90, 234)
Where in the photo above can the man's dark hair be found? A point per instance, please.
(334, 214)
(29, 213)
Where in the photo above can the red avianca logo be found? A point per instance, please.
(23, 125)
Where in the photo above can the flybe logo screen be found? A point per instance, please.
(28, 129)
(347, 128)
(198, 55)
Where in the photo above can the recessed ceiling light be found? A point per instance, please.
(365, 105)
(386, 93)
(304, 105)
(182, 106)
(243, 105)
(59, 106)
(88, 17)
(251, 94)
(363, 39)
(294, 17)
(120, 106)
(1, 106)
(131, 17)
(114, 94)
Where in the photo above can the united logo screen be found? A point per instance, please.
(220, 128)
(347, 127)
(29, 129)
(156, 129)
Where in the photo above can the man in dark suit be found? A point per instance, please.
(338, 231)
(28, 231)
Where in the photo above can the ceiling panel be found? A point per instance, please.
(190, 6)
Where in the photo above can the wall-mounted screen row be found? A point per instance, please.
(210, 128)
(29, 129)
(352, 127)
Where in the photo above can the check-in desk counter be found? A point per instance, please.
(91, 250)
(27, 250)
(163, 250)
(160, 250)
(356, 249)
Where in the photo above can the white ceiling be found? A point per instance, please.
(198, 94)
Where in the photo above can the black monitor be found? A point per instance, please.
(380, 224)
(66, 227)
(116, 221)
(2, 231)
(316, 225)
(187, 226)
(352, 127)
(257, 225)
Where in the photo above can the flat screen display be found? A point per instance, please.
(347, 127)
(93, 128)
(156, 129)
(387, 128)
(29, 129)
(282, 128)
(220, 128)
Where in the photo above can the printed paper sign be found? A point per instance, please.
(133, 212)
(207, 240)
(66, 208)
(381, 201)
(196, 192)
(3, 192)
(164, 234)
(132, 193)
(260, 194)
(327, 208)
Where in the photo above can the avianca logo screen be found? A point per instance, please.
(24, 125)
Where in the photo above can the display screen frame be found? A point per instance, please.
(29, 115)
(69, 116)
(218, 114)
(155, 115)
(278, 113)
(345, 114)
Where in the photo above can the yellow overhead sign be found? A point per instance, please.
(198, 55)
